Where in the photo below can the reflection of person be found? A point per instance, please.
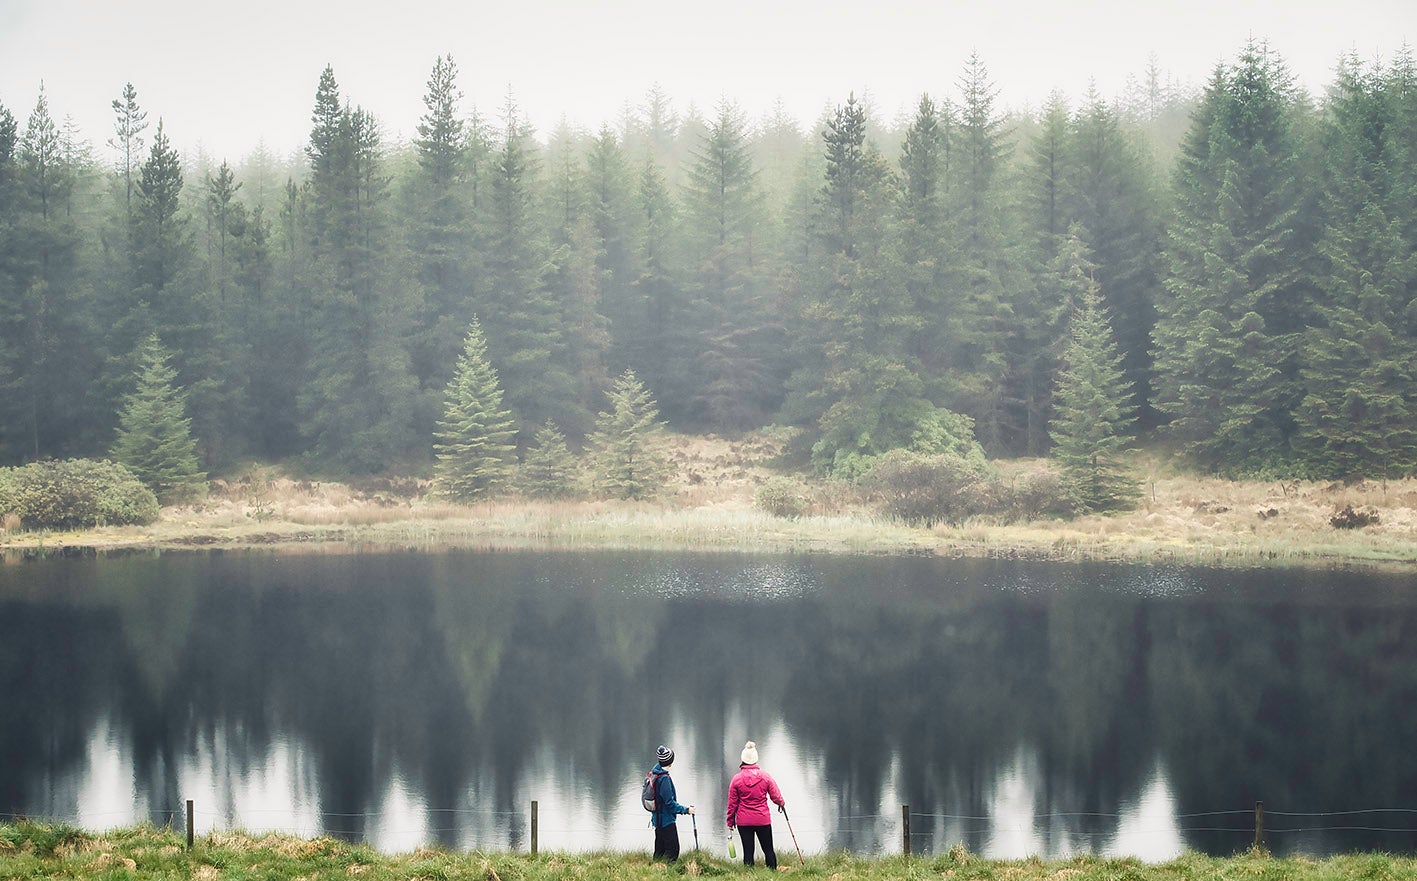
(748, 796)
(666, 808)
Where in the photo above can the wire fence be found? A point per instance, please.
(525, 827)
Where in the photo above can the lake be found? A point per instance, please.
(1017, 707)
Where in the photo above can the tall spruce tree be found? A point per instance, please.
(441, 239)
(628, 443)
(49, 347)
(614, 227)
(1041, 307)
(154, 433)
(1093, 412)
(985, 279)
(522, 319)
(856, 385)
(736, 371)
(360, 401)
(1240, 289)
(1113, 193)
(1359, 412)
(657, 329)
(474, 446)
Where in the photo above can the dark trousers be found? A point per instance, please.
(764, 834)
(666, 842)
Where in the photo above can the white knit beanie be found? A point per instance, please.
(750, 753)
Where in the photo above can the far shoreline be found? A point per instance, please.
(509, 525)
(709, 504)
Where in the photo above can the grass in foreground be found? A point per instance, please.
(42, 850)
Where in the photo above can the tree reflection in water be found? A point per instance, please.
(1017, 708)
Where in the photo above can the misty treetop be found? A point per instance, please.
(880, 285)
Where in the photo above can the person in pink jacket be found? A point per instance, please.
(748, 796)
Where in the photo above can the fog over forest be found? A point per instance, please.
(1248, 250)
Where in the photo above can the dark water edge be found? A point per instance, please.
(1016, 707)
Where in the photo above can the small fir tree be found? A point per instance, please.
(550, 470)
(1093, 413)
(474, 446)
(628, 439)
(154, 432)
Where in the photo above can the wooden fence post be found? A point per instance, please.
(190, 824)
(905, 829)
(1259, 824)
(534, 822)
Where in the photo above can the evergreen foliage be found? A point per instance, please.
(359, 401)
(1094, 413)
(630, 460)
(154, 433)
(1241, 287)
(442, 234)
(549, 470)
(48, 338)
(887, 286)
(525, 333)
(1359, 412)
(735, 378)
(474, 438)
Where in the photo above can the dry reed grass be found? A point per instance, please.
(709, 503)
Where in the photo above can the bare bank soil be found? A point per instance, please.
(709, 504)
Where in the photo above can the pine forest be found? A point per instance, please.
(1227, 274)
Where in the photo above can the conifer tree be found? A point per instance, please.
(474, 448)
(549, 470)
(630, 460)
(129, 122)
(611, 209)
(658, 330)
(48, 343)
(735, 368)
(360, 401)
(1359, 413)
(154, 433)
(440, 230)
(1113, 195)
(926, 248)
(1093, 413)
(984, 274)
(523, 321)
(1241, 285)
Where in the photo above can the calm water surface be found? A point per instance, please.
(1019, 708)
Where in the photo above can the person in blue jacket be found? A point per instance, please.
(666, 808)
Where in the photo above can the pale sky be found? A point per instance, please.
(229, 76)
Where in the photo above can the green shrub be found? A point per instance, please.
(1039, 492)
(75, 493)
(781, 497)
(931, 489)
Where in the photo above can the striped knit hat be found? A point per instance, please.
(664, 755)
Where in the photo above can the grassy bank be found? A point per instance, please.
(709, 505)
(37, 850)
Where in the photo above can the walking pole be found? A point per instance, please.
(695, 818)
(783, 810)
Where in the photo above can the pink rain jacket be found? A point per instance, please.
(748, 796)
